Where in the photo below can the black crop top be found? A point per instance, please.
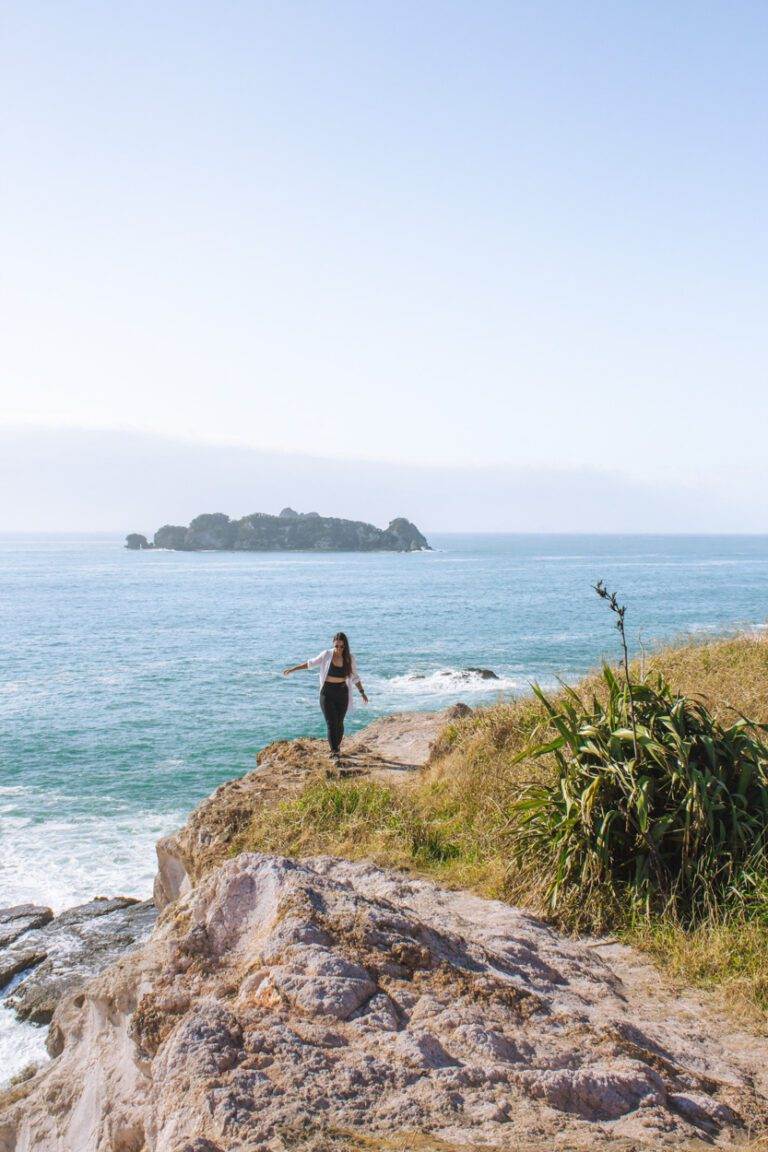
(335, 670)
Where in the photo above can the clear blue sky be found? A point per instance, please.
(524, 234)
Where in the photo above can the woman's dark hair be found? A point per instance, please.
(346, 655)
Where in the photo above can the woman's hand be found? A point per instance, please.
(365, 698)
(287, 671)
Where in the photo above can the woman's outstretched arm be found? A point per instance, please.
(296, 668)
(356, 680)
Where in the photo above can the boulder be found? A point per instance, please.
(457, 711)
(15, 960)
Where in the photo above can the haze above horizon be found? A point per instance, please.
(460, 251)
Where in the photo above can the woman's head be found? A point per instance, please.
(341, 649)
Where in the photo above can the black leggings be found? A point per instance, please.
(334, 701)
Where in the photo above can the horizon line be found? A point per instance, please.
(115, 533)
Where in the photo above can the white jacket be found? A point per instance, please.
(323, 659)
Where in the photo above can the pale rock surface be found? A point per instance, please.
(318, 1004)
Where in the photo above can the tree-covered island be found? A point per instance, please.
(290, 531)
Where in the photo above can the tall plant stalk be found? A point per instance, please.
(619, 610)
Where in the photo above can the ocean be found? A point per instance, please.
(133, 683)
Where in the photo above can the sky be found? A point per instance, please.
(501, 243)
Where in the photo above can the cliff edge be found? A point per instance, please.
(390, 748)
(324, 1005)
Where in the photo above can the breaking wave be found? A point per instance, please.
(452, 682)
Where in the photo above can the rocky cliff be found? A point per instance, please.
(390, 749)
(324, 1004)
(290, 531)
(330, 1006)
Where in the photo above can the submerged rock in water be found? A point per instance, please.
(63, 952)
(280, 1003)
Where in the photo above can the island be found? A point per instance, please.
(289, 532)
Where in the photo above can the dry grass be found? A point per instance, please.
(452, 823)
(729, 955)
(727, 673)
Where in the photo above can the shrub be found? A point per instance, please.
(674, 822)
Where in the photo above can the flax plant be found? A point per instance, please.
(670, 814)
(620, 611)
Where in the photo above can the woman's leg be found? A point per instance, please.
(328, 710)
(338, 727)
(334, 702)
(342, 711)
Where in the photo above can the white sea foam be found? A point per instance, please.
(750, 629)
(20, 1044)
(61, 862)
(446, 685)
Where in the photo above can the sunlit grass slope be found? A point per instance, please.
(456, 822)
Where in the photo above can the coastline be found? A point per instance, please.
(311, 997)
(149, 698)
(389, 747)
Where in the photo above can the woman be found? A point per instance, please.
(338, 671)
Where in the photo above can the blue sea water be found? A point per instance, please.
(133, 683)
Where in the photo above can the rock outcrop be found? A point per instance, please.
(389, 748)
(290, 531)
(329, 1005)
(49, 957)
(21, 918)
